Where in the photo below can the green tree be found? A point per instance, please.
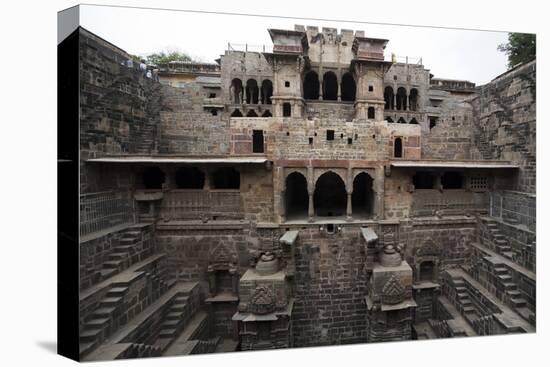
(164, 57)
(520, 48)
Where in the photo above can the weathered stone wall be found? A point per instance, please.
(188, 130)
(94, 253)
(450, 236)
(330, 288)
(452, 136)
(514, 206)
(505, 121)
(119, 106)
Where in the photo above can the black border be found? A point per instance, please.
(68, 196)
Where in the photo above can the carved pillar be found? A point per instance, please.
(320, 88)
(282, 207)
(310, 208)
(339, 82)
(310, 191)
(394, 106)
(348, 208)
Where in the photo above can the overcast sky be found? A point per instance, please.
(447, 53)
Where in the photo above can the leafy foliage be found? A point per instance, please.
(164, 57)
(521, 48)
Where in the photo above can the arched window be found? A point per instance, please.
(330, 86)
(236, 91)
(370, 113)
(362, 198)
(311, 85)
(348, 87)
(252, 91)
(401, 99)
(413, 99)
(389, 98)
(413, 121)
(237, 113)
(296, 196)
(266, 113)
(401, 121)
(189, 178)
(267, 91)
(330, 198)
(153, 178)
(226, 178)
(398, 148)
(251, 113)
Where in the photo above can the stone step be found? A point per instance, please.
(181, 299)
(518, 302)
(118, 256)
(501, 270)
(110, 301)
(462, 295)
(171, 324)
(107, 273)
(469, 310)
(99, 323)
(465, 302)
(112, 264)
(125, 248)
(103, 312)
(510, 286)
(86, 347)
(174, 315)
(90, 335)
(117, 291)
(508, 254)
(167, 333)
(178, 307)
(513, 293)
(460, 289)
(125, 241)
(505, 277)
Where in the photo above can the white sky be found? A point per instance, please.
(447, 53)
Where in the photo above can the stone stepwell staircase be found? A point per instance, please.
(495, 236)
(112, 310)
(463, 300)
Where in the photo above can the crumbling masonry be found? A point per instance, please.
(311, 194)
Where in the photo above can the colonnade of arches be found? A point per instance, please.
(401, 100)
(329, 88)
(251, 92)
(329, 197)
(192, 178)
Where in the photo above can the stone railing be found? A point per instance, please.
(103, 210)
(195, 204)
(514, 207)
(430, 202)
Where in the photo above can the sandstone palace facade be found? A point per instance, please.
(309, 193)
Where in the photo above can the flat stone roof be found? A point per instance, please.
(165, 159)
(454, 164)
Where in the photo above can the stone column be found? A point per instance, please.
(320, 88)
(310, 208)
(394, 101)
(348, 208)
(282, 208)
(339, 82)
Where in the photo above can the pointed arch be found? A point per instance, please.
(311, 85)
(348, 87)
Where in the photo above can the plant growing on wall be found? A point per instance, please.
(520, 48)
(164, 57)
